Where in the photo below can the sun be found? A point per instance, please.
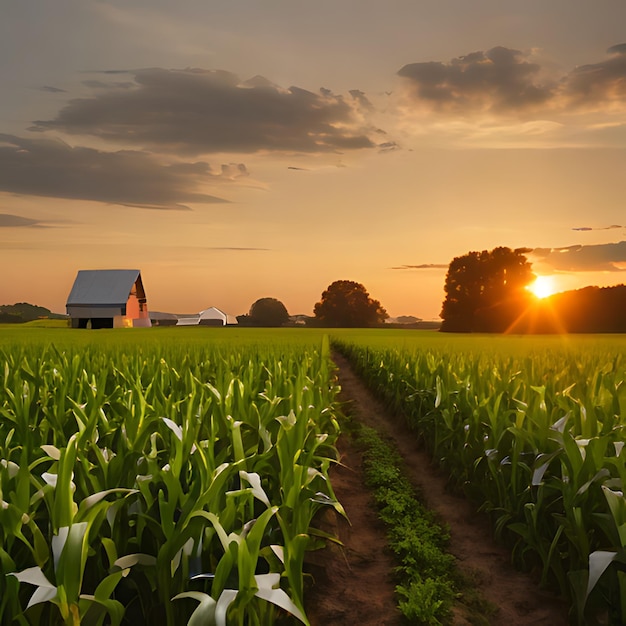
(542, 287)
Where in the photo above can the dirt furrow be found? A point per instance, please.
(354, 584)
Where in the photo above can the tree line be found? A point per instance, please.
(344, 304)
(488, 292)
(588, 310)
(485, 292)
(24, 312)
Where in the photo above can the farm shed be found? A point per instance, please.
(108, 299)
(213, 317)
(209, 317)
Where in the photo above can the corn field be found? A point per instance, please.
(168, 478)
(160, 478)
(533, 430)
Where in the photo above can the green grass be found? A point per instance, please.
(48, 323)
(426, 572)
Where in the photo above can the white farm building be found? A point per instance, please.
(209, 317)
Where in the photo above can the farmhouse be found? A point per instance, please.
(108, 299)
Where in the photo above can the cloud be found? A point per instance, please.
(608, 257)
(423, 266)
(233, 171)
(52, 168)
(51, 89)
(500, 80)
(600, 85)
(611, 227)
(504, 81)
(361, 98)
(195, 111)
(99, 84)
(388, 146)
(15, 221)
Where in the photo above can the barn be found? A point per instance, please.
(108, 299)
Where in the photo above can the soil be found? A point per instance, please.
(353, 584)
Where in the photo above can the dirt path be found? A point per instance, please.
(353, 584)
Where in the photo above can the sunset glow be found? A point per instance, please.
(230, 153)
(543, 287)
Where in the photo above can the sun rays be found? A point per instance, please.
(543, 287)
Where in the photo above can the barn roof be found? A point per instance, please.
(212, 312)
(102, 287)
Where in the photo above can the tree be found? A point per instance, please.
(486, 291)
(346, 303)
(588, 310)
(268, 312)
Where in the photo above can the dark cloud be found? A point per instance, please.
(423, 266)
(388, 146)
(196, 111)
(361, 98)
(99, 84)
(51, 89)
(15, 221)
(46, 167)
(259, 81)
(506, 81)
(599, 85)
(611, 227)
(606, 257)
(500, 80)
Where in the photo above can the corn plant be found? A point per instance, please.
(165, 483)
(536, 438)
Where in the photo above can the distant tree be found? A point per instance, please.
(346, 303)
(10, 318)
(25, 312)
(587, 310)
(407, 319)
(244, 320)
(268, 312)
(486, 291)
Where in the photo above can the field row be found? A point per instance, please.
(535, 434)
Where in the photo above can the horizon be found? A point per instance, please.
(542, 290)
(240, 151)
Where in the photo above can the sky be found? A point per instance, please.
(238, 149)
